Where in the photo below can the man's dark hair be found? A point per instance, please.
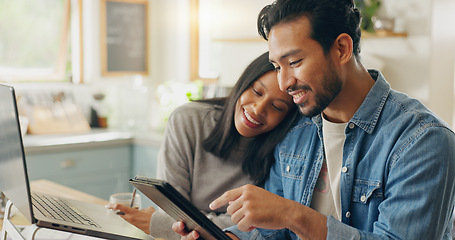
(258, 158)
(328, 19)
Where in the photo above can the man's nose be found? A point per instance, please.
(285, 80)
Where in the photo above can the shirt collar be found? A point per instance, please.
(366, 117)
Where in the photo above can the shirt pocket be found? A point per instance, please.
(366, 191)
(292, 166)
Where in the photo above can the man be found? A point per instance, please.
(367, 163)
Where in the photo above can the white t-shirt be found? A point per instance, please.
(326, 196)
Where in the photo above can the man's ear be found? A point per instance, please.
(343, 48)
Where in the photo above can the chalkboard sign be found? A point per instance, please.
(124, 37)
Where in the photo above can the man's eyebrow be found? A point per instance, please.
(287, 54)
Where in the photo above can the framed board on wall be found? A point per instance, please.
(124, 37)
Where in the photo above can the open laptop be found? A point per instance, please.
(94, 220)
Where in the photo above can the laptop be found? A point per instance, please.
(87, 218)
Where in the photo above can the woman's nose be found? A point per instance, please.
(260, 107)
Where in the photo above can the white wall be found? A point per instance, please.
(442, 60)
(404, 61)
(421, 64)
(231, 38)
(168, 41)
(168, 61)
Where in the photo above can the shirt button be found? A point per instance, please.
(351, 125)
(288, 168)
(363, 198)
(348, 214)
(344, 169)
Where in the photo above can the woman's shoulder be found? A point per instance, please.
(196, 110)
(194, 117)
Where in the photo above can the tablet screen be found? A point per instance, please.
(178, 207)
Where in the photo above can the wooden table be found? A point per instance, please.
(49, 187)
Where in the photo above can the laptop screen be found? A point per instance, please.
(13, 172)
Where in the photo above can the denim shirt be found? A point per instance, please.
(398, 171)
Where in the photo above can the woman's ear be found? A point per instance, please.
(343, 48)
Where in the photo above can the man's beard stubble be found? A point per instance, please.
(332, 86)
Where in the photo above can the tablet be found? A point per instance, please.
(178, 207)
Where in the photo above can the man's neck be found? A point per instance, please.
(356, 87)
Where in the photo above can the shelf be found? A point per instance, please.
(239, 40)
(382, 34)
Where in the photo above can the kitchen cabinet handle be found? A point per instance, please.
(68, 163)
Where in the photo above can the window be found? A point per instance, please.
(35, 40)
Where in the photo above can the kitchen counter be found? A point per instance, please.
(93, 139)
(105, 156)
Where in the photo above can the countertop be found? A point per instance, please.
(94, 138)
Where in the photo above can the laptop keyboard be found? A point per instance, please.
(60, 209)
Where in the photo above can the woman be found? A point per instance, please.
(214, 145)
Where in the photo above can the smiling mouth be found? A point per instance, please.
(250, 118)
(300, 94)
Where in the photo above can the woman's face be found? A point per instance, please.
(261, 107)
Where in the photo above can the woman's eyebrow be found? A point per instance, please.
(265, 87)
(262, 84)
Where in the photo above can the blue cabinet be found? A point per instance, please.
(145, 153)
(99, 163)
(144, 164)
(99, 171)
(144, 160)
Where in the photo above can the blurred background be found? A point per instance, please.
(100, 77)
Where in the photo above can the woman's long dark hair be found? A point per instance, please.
(225, 137)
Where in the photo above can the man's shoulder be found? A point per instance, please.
(408, 123)
(401, 108)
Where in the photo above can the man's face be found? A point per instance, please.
(303, 70)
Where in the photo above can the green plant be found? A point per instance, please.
(368, 9)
